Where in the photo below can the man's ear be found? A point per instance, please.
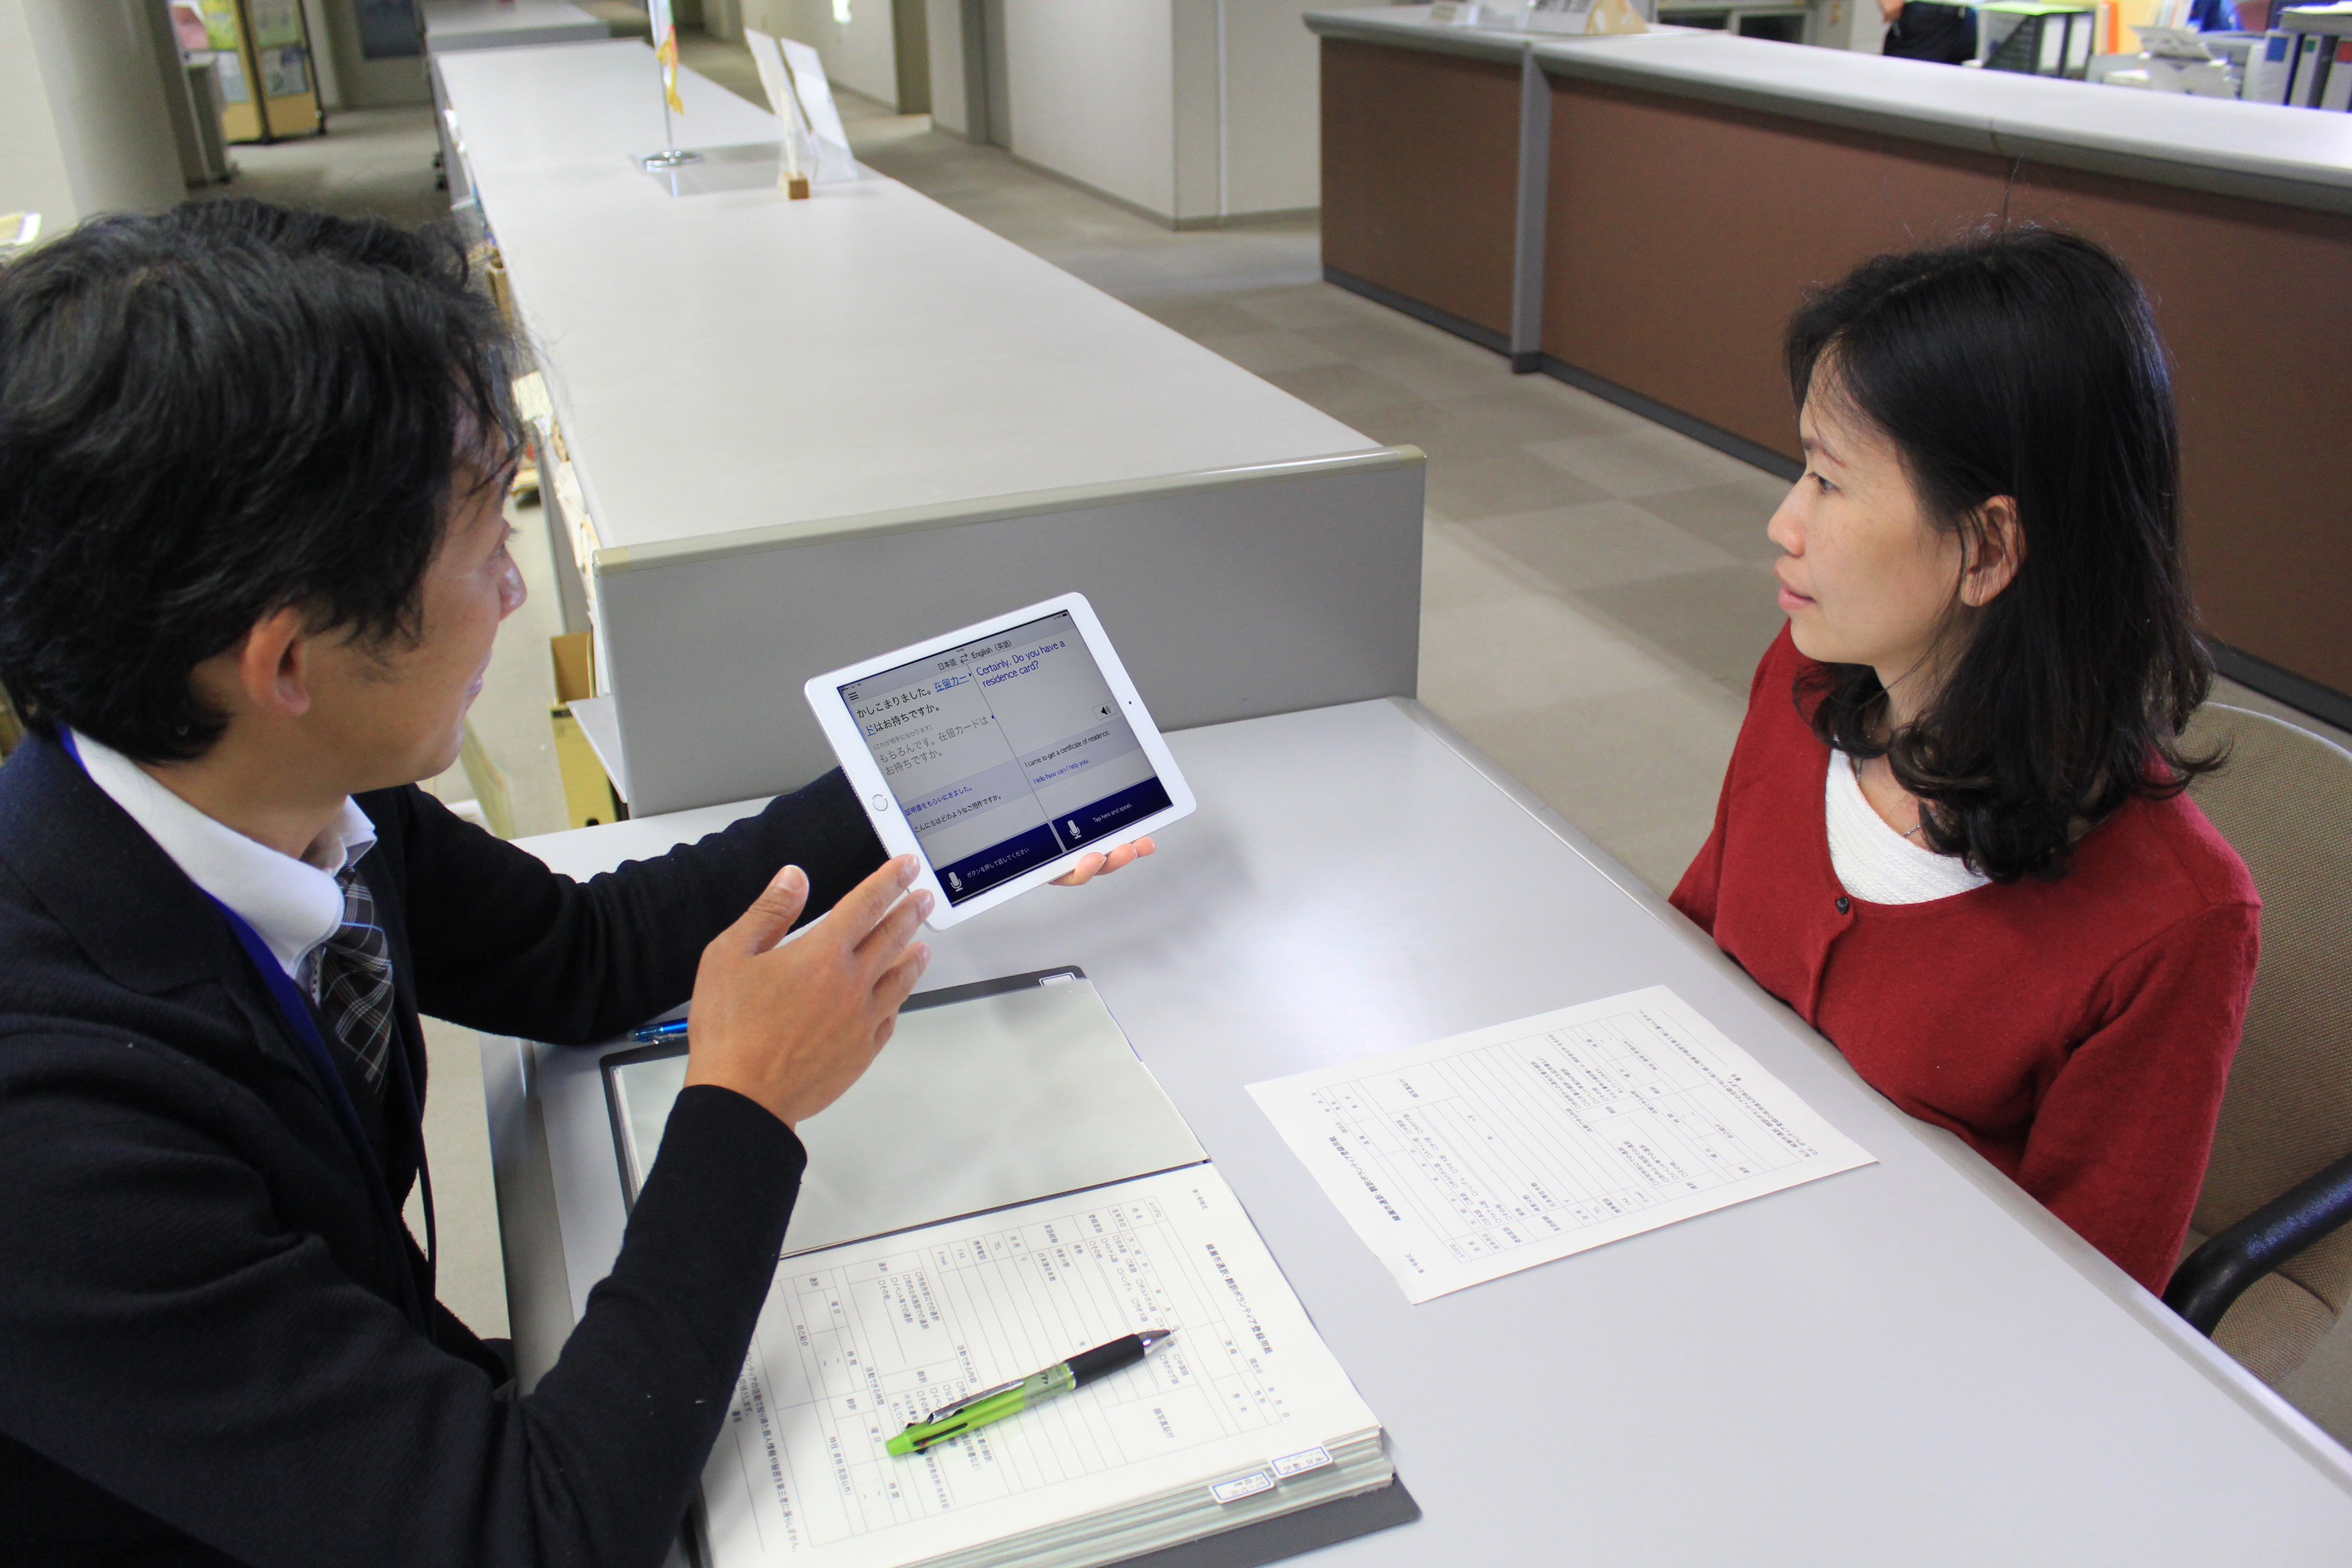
(272, 667)
(1996, 549)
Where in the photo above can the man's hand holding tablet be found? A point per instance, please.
(1002, 754)
(1095, 865)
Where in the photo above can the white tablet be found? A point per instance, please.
(1002, 754)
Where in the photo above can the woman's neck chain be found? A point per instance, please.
(1920, 809)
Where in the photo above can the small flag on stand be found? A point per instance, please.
(671, 156)
(665, 51)
(669, 69)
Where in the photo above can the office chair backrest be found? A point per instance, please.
(2283, 803)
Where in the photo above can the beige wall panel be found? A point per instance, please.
(33, 175)
(103, 86)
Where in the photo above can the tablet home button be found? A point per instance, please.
(881, 804)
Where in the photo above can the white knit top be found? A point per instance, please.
(1875, 863)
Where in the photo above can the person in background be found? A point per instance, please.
(1952, 834)
(253, 555)
(1925, 30)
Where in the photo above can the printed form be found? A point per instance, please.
(1470, 1158)
(855, 1343)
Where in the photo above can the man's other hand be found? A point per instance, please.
(1094, 865)
(792, 1025)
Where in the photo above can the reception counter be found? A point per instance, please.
(1639, 216)
(793, 434)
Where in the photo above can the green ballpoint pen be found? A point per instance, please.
(1012, 1398)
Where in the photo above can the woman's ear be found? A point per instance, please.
(1996, 549)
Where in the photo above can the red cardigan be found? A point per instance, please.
(2077, 1032)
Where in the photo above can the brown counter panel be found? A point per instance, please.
(1420, 155)
(1680, 234)
(2252, 301)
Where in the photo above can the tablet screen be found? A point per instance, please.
(1005, 754)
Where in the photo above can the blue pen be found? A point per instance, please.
(649, 1033)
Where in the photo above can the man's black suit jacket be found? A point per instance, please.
(201, 1355)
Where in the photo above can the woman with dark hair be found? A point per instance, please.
(1952, 834)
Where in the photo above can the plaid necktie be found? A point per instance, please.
(354, 980)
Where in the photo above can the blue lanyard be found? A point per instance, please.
(305, 1029)
(298, 1019)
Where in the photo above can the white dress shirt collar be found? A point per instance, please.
(293, 905)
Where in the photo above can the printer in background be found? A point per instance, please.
(2302, 61)
(2182, 59)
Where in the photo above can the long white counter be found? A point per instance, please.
(805, 432)
(2298, 157)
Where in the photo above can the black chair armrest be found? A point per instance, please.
(2212, 1279)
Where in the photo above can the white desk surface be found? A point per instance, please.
(733, 361)
(2255, 149)
(1908, 1364)
(504, 24)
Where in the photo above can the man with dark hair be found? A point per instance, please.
(252, 558)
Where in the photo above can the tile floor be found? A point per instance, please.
(1594, 600)
(371, 162)
(1597, 589)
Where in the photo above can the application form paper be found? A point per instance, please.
(857, 1341)
(1470, 1158)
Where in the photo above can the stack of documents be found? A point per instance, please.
(1085, 1211)
(1244, 1415)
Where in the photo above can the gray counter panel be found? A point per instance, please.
(1262, 592)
